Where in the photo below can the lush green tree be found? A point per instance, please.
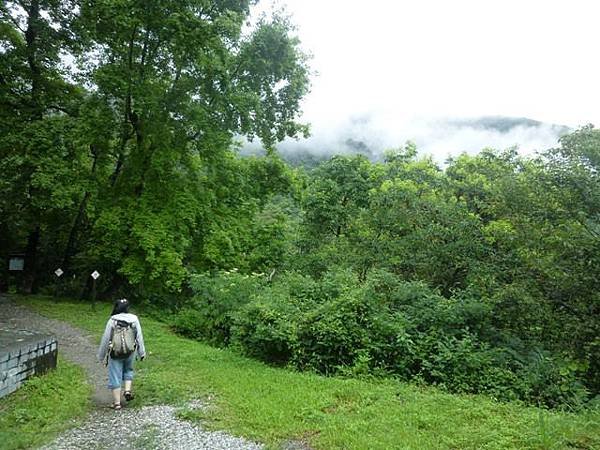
(41, 161)
(129, 156)
(571, 278)
(336, 192)
(538, 270)
(422, 233)
(252, 215)
(183, 80)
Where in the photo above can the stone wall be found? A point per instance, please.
(22, 355)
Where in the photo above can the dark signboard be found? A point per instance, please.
(16, 263)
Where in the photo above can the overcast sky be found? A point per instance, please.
(408, 61)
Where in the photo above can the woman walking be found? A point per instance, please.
(121, 341)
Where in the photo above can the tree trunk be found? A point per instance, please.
(30, 269)
(70, 248)
(31, 37)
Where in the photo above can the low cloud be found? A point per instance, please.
(441, 138)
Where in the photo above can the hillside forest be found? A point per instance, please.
(120, 130)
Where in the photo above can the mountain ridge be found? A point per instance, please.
(370, 136)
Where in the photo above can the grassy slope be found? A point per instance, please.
(271, 405)
(43, 407)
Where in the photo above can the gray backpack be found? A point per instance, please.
(122, 342)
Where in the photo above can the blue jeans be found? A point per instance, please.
(120, 370)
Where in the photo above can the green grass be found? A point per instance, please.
(43, 407)
(272, 405)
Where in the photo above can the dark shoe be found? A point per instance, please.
(128, 395)
(116, 406)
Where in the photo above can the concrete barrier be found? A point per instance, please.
(24, 354)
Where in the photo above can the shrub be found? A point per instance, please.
(217, 297)
(382, 326)
(190, 322)
(330, 336)
(552, 380)
(458, 364)
(265, 329)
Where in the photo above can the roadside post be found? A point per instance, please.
(95, 274)
(58, 272)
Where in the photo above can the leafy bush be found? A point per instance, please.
(331, 335)
(267, 328)
(191, 322)
(217, 297)
(382, 326)
(264, 329)
(552, 380)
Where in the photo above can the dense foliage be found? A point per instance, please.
(119, 123)
(480, 277)
(116, 127)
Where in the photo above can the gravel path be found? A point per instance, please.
(144, 428)
(149, 427)
(73, 343)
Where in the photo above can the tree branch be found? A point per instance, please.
(144, 53)
(61, 109)
(15, 23)
(592, 233)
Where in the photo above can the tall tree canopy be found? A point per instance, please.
(119, 115)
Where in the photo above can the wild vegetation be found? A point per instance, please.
(478, 278)
(43, 407)
(118, 130)
(273, 405)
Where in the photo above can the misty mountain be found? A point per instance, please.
(505, 124)
(371, 135)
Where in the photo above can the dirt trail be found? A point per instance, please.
(73, 343)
